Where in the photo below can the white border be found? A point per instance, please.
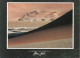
(43, 48)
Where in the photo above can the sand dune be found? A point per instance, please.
(57, 35)
(64, 32)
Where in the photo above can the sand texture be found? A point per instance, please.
(63, 43)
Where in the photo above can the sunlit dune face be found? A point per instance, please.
(16, 10)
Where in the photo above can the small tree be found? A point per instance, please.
(20, 19)
(52, 19)
(43, 19)
(34, 19)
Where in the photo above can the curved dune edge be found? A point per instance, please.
(58, 33)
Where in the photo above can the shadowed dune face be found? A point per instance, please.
(16, 10)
